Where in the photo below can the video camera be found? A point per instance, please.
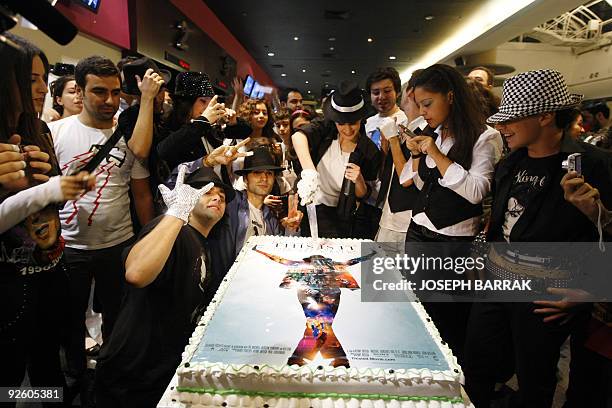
(40, 13)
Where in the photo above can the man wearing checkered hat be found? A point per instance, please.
(529, 206)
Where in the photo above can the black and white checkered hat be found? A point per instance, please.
(534, 92)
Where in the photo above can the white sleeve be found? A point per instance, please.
(139, 171)
(408, 174)
(17, 207)
(474, 184)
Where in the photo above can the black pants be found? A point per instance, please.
(118, 396)
(106, 267)
(31, 326)
(449, 317)
(497, 330)
(363, 224)
(590, 382)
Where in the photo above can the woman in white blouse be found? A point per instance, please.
(453, 170)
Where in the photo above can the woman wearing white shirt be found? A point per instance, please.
(324, 149)
(453, 172)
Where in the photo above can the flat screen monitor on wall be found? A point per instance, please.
(93, 5)
(248, 85)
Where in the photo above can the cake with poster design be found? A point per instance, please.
(287, 328)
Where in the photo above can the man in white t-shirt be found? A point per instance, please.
(384, 86)
(97, 227)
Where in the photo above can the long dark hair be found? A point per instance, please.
(30, 127)
(181, 111)
(10, 97)
(465, 120)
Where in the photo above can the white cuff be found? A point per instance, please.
(407, 173)
(454, 176)
(53, 189)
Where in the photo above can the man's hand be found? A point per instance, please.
(224, 155)
(183, 198)
(581, 195)
(238, 86)
(231, 117)
(561, 309)
(150, 84)
(274, 203)
(308, 186)
(74, 187)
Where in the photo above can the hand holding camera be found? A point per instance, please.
(17, 162)
(215, 111)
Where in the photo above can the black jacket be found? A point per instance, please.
(185, 144)
(551, 218)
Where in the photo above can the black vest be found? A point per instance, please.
(442, 205)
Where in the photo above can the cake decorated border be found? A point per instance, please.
(410, 376)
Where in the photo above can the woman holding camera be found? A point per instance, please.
(196, 120)
(453, 171)
(33, 282)
(336, 153)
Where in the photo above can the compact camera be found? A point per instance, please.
(573, 163)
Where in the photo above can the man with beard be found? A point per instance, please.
(170, 278)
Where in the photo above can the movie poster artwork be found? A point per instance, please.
(291, 303)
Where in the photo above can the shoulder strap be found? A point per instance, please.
(91, 165)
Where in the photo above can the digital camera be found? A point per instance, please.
(573, 163)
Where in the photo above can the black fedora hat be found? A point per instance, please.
(205, 175)
(139, 67)
(261, 159)
(193, 84)
(345, 104)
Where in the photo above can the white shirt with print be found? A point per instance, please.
(101, 218)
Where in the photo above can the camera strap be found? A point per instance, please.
(95, 161)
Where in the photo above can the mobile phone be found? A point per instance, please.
(406, 132)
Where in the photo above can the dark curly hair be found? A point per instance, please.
(246, 110)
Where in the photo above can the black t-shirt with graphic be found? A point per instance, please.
(532, 178)
(155, 322)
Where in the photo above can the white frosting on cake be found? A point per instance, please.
(249, 385)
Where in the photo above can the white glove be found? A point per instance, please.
(389, 128)
(308, 186)
(183, 198)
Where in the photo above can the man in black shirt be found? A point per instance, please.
(169, 272)
(529, 206)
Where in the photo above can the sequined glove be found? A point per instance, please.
(181, 200)
(389, 128)
(308, 186)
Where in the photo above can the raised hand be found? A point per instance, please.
(214, 111)
(150, 84)
(181, 200)
(224, 155)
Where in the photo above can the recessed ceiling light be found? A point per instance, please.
(392, 57)
(296, 38)
(306, 82)
(370, 39)
(429, 17)
(270, 54)
(353, 71)
(331, 39)
(304, 70)
(331, 48)
(283, 74)
(309, 91)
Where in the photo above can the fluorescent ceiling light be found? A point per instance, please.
(489, 15)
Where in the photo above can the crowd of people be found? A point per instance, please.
(134, 199)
